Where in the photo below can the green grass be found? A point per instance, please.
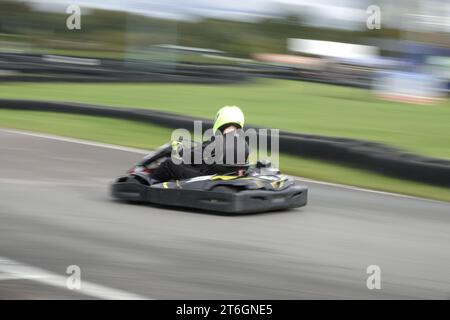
(134, 134)
(120, 132)
(289, 105)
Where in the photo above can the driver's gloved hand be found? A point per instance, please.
(177, 150)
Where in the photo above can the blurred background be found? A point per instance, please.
(336, 41)
(376, 71)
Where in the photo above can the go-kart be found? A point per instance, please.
(244, 189)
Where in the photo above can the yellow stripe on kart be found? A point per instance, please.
(224, 178)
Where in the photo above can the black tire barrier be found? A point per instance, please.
(33, 68)
(22, 67)
(361, 154)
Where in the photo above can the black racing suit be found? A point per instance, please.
(226, 152)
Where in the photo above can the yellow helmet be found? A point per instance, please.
(228, 115)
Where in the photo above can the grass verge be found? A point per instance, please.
(289, 105)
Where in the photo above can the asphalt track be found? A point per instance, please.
(55, 211)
